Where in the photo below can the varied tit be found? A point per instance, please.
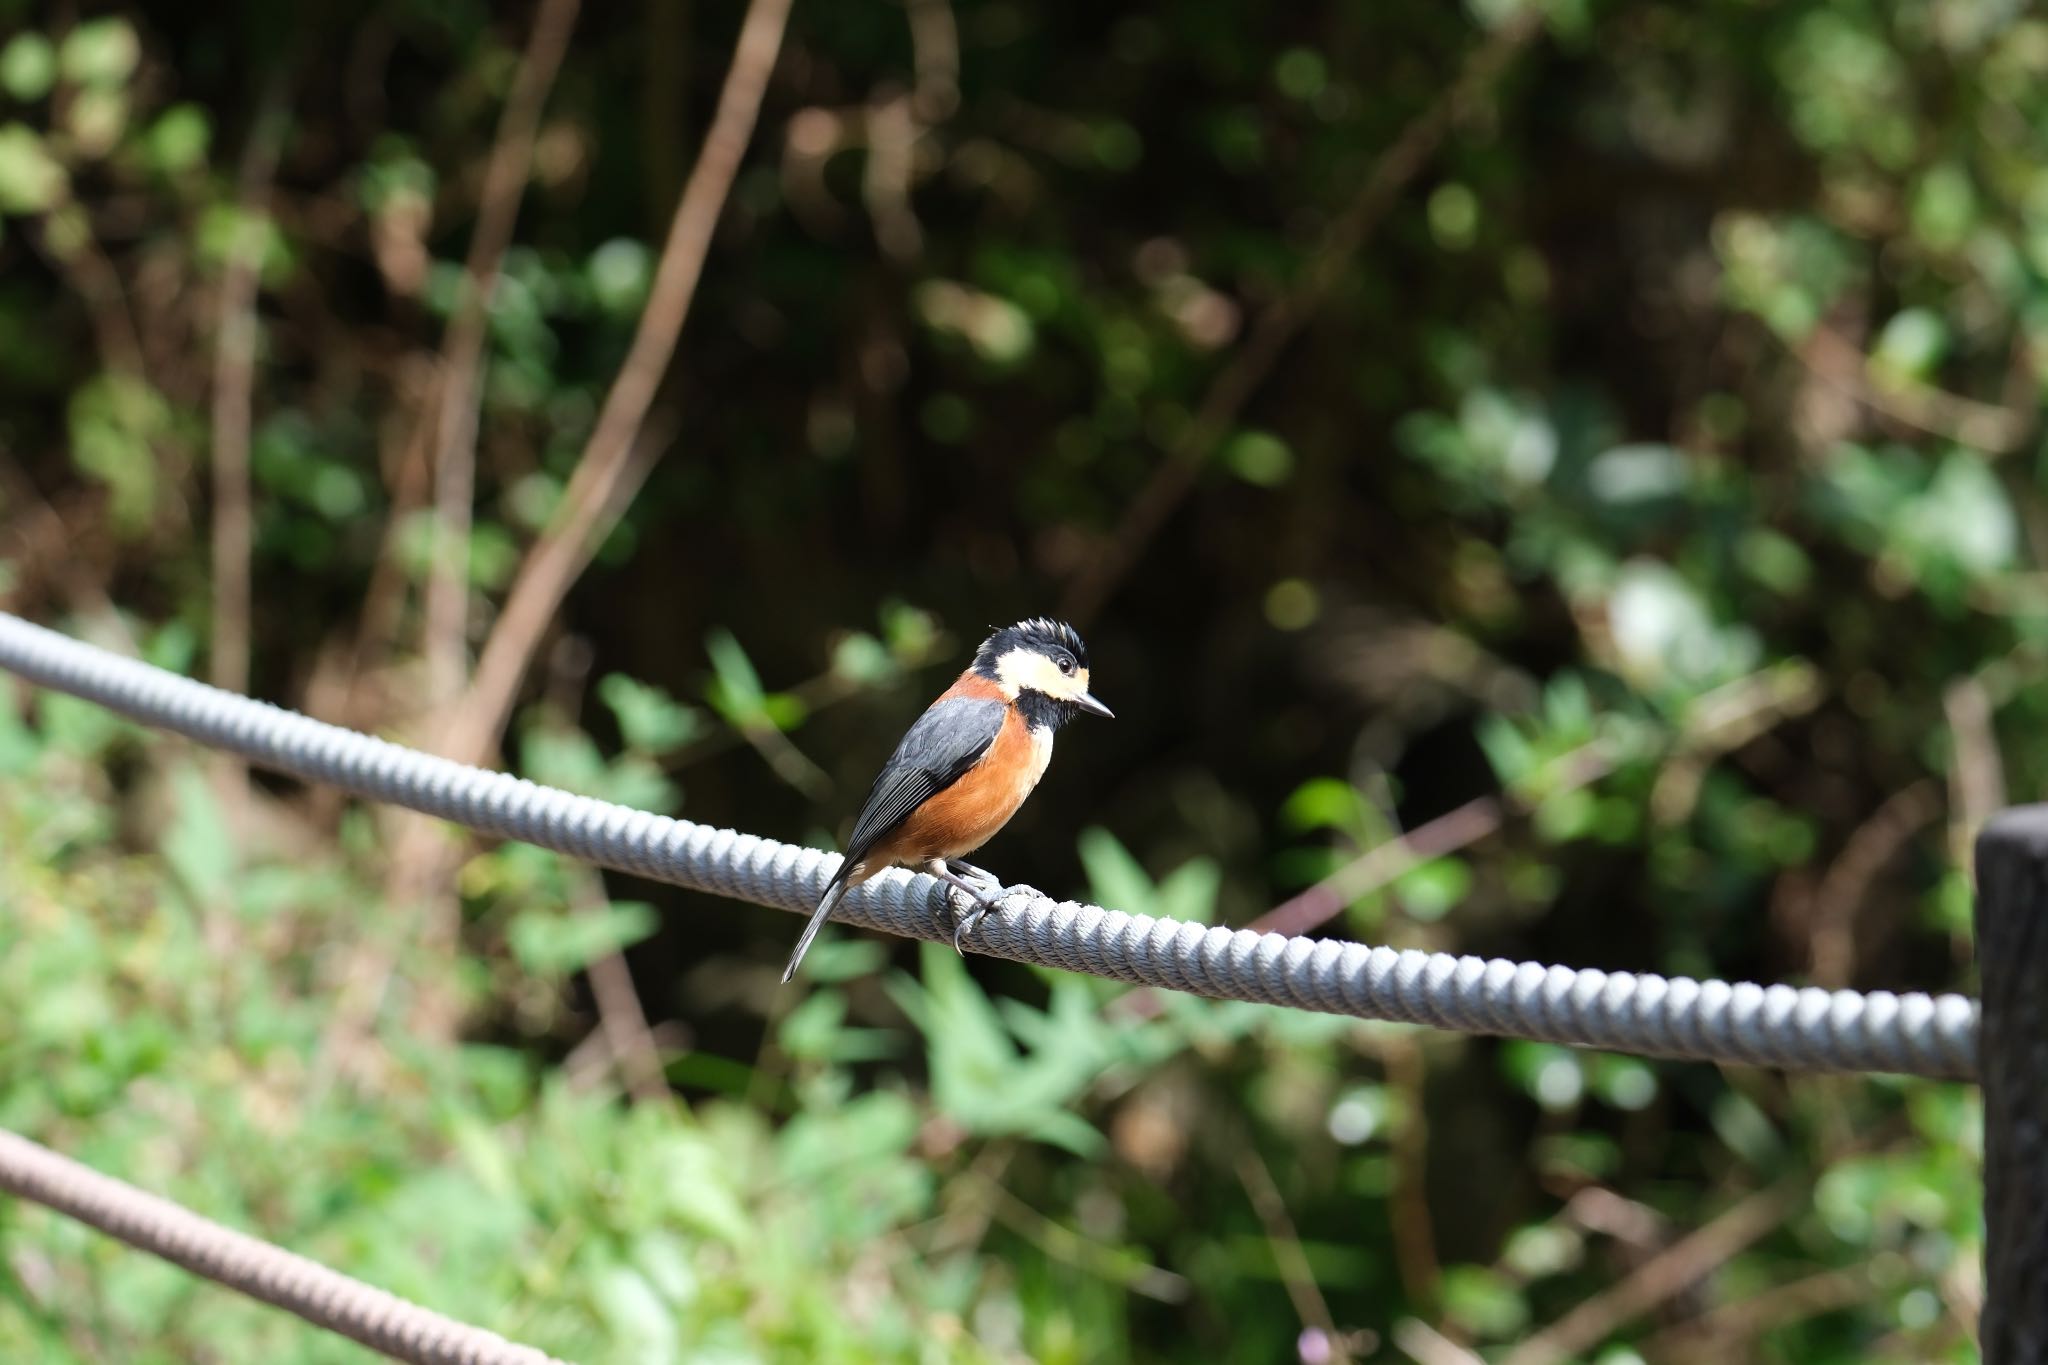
(965, 767)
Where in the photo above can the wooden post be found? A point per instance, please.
(2012, 1062)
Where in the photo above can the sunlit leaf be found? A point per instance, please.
(1115, 878)
(31, 180)
(649, 718)
(99, 52)
(28, 66)
(551, 942)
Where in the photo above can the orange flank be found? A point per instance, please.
(966, 815)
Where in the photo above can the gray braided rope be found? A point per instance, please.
(383, 1322)
(1805, 1029)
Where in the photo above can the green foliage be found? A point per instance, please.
(117, 425)
(31, 180)
(464, 1176)
(736, 692)
(557, 944)
(1116, 878)
(650, 720)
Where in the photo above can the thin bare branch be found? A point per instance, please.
(615, 460)
(420, 850)
(1846, 885)
(1729, 1332)
(607, 473)
(234, 380)
(1841, 364)
(1295, 1272)
(1062, 1243)
(65, 238)
(935, 51)
(1384, 863)
(892, 134)
(1415, 1255)
(462, 349)
(1663, 1277)
(1425, 1345)
(1976, 777)
(627, 1036)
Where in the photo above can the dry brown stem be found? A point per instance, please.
(608, 471)
(628, 1038)
(234, 381)
(1842, 365)
(1295, 1272)
(614, 461)
(462, 349)
(1846, 885)
(1663, 1277)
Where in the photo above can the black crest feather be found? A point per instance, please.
(1040, 633)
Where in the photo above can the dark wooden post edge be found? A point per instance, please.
(2012, 1061)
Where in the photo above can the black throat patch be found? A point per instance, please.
(1039, 709)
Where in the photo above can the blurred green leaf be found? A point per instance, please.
(1260, 458)
(1637, 473)
(117, 420)
(1431, 890)
(635, 1313)
(1189, 891)
(1746, 1129)
(649, 719)
(198, 845)
(1911, 344)
(816, 1031)
(1325, 803)
(1483, 1301)
(559, 756)
(28, 66)
(861, 658)
(179, 139)
(1945, 206)
(1115, 878)
(562, 941)
(1552, 1076)
(998, 330)
(31, 180)
(99, 52)
(621, 271)
(1623, 1082)
(736, 692)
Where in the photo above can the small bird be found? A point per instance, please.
(965, 767)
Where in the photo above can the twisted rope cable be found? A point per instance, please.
(383, 1322)
(1803, 1029)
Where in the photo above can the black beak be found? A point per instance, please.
(1086, 701)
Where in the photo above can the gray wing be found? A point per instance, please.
(945, 742)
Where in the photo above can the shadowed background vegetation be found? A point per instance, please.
(1598, 442)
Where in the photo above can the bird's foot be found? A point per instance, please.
(988, 881)
(985, 887)
(964, 925)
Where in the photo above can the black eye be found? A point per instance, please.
(1066, 665)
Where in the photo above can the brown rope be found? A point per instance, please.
(383, 1322)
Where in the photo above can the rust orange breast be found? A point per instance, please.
(970, 684)
(967, 814)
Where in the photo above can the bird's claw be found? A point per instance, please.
(964, 925)
(991, 897)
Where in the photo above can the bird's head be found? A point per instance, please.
(1042, 665)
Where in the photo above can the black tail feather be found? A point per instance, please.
(834, 890)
